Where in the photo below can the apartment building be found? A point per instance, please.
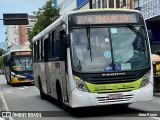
(16, 35)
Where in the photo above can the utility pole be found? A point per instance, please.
(90, 4)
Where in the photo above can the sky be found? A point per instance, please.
(17, 6)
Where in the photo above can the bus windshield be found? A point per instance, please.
(96, 49)
(22, 63)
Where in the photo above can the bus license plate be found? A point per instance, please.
(115, 96)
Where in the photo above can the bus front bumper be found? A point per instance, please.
(16, 80)
(84, 99)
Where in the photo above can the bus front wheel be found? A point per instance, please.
(60, 97)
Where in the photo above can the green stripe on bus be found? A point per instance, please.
(16, 66)
(117, 87)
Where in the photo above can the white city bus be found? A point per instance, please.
(94, 57)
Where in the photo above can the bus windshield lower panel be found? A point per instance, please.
(109, 49)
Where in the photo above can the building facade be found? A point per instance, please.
(151, 12)
(68, 5)
(16, 35)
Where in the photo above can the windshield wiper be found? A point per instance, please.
(89, 44)
(131, 27)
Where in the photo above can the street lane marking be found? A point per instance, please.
(5, 105)
(23, 87)
(156, 118)
(7, 91)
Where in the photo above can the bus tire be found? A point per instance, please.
(60, 97)
(42, 94)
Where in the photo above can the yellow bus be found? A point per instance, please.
(18, 66)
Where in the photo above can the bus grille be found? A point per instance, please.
(23, 79)
(113, 79)
(103, 100)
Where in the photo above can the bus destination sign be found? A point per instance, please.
(105, 18)
(23, 53)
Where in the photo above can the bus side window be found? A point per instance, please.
(35, 51)
(50, 46)
(39, 50)
(42, 46)
(38, 56)
(63, 41)
(46, 48)
(53, 37)
(56, 45)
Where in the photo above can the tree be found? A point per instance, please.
(1, 62)
(46, 15)
(2, 51)
(1, 59)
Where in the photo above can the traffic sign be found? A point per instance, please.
(15, 19)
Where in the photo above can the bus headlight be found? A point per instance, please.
(80, 84)
(146, 79)
(20, 76)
